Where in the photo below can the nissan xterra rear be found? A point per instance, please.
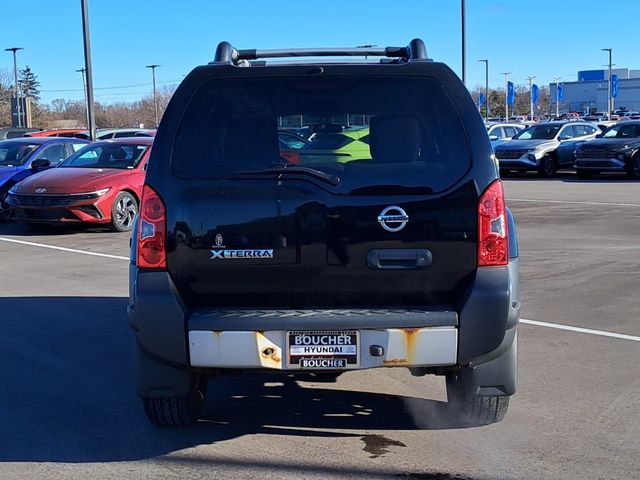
(244, 260)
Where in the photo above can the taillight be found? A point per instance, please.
(151, 231)
(493, 237)
(290, 156)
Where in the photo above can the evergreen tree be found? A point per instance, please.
(29, 83)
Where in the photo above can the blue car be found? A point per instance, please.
(22, 157)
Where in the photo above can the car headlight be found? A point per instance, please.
(100, 193)
(531, 157)
(13, 190)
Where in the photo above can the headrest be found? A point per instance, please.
(394, 138)
(251, 141)
(119, 154)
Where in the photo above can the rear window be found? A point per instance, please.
(13, 154)
(413, 136)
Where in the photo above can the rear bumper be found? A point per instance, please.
(166, 330)
(431, 346)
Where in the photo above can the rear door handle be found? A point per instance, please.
(399, 258)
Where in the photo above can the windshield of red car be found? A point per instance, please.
(13, 154)
(121, 156)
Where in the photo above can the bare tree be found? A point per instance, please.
(6, 92)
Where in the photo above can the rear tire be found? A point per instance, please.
(548, 166)
(5, 210)
(633, 169)
(178, 412)
(471, 409)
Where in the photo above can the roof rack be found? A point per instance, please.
(227, 54)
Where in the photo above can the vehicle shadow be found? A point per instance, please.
(569, 177)
(44, 229)
(67, 393)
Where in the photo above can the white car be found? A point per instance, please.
(501, 132)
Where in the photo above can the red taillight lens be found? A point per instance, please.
(290, 156)
(493, 237)
(151, 231)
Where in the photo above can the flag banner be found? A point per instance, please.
(614, 86)
(511, 93)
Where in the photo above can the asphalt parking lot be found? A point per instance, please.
(68, 407)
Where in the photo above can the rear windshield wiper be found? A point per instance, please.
(295, 169)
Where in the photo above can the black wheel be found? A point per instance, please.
(178, 412)
(585, 174)
(633, 168)
(471, 409)
(548, 166)
(123, 212)
(5, 210)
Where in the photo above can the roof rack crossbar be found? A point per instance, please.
(226, 53)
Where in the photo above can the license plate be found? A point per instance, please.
(323, 350)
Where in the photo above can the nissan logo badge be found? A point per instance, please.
(393, 219)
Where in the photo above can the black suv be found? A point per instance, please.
(616, 150)
(244, 260)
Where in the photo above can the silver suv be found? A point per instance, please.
(537, 147)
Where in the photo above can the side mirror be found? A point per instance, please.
(493, 137)
(40, 163)
(564, 137)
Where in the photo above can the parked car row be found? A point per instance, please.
(58, 177)
(586, 147)
(64, 179)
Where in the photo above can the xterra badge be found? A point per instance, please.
(221, 253)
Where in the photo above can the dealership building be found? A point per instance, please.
(590, 91)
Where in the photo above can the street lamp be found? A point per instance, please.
(486, 88)
(464, 41)
(84, 90)
(556, 80)
(609, 97)
(91, 119)
(155, 96)
(15, 86)
(506, 95)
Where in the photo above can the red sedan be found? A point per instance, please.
(99, 184)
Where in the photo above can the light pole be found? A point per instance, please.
(464, 42)
(531, 79)
(486, 88)
(609, 97)
(15, 86)
(155, 97)
(89, 70)
(84, 91)
(506, 95)
(557, 79)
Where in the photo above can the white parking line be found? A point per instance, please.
(589, 331)
(569, 202)
(536, 323)
(63, 249)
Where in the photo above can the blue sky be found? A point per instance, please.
(544, 38)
